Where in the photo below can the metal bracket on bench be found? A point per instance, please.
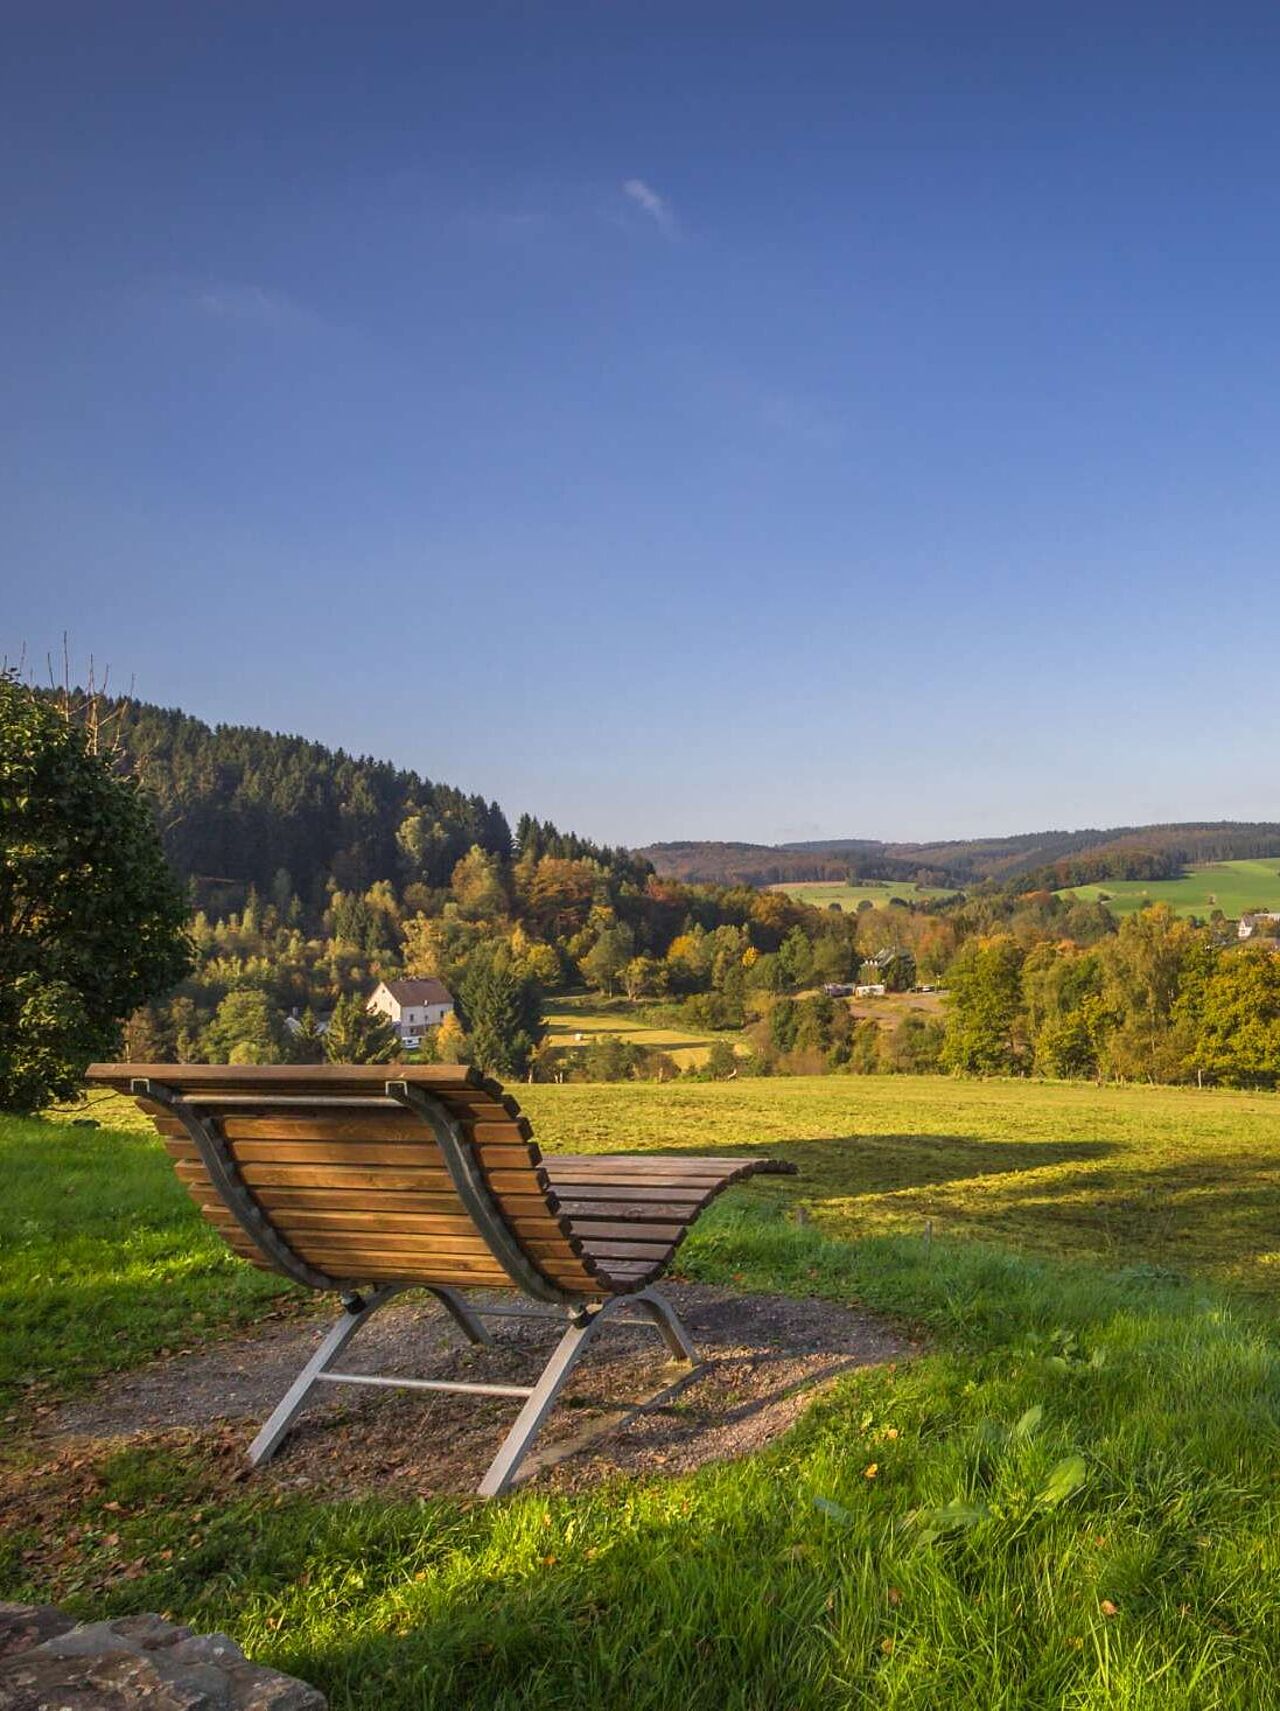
(473, 1191)
(224, 1174)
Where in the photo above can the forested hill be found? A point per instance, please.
(240, 806)
(1051, 858)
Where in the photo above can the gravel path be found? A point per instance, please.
(767, 1356)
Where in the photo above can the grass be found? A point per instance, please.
(688, 1047)
(1235, 887)
(1071, 1499)
(822, 893)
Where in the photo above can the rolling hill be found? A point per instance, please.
(1053, 858)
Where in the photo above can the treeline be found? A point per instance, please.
(1160, 1000)
(1028, 859)
(241, 808)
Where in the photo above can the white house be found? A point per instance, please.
(1249, 924)
(411, 1006)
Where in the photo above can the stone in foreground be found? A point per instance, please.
(50, 1663)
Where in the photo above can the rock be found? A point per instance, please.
(50, 1663)
(25, 1625)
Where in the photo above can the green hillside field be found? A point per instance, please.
(573, 1023)
(1235, 887)
(1069, 1496)
(822, 893)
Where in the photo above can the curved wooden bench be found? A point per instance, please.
(370, 1179)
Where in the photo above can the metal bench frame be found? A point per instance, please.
(583, 1318)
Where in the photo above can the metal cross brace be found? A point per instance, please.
(584, 1322)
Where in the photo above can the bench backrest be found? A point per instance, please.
(325, 1174)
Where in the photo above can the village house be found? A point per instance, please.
(411, 1006)
(1260, 920)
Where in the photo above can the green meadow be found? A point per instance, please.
(822, 893)
(1071, 1497)
(573, 1023)
(1235, 887)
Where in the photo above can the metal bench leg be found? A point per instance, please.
(502, 1469)
(361, 1309)
(461, 1313)
(669, 1324)
(570, 1349)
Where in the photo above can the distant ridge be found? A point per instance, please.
(1061, 857)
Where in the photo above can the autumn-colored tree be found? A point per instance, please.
(604, 963)
(986, 1022)
(1237, 1021)
(1145, 967)
(479, 886)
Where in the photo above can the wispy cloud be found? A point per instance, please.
(656, 207)
(253, 305)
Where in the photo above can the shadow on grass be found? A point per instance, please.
(884, 1164)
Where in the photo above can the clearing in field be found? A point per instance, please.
(1235, 887)
(822, 893)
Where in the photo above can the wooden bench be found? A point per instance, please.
(371, 1179)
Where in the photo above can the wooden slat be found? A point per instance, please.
(658, 1162)
(633, 1212)
(371, 1177)
(594, 1230)
(683, 1187)
(418, 1152)
(392, 1125)
(633, 1193)
(355, 1210)
(328, 1077)
(608, 1251)
(401, 1234)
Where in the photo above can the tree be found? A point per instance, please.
(502, 1009)
(478, 885)
(1146, 967)
(1238, 1021)
(356, 1035)
(722, 1061)
(246, 1028)
(92, 922)
(985, 1026)
(306, 1044)
(608, 957)
(451, 1043)
(643, 977)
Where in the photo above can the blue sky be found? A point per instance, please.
(682, 420)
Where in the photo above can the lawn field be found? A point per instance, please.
(822, 893)
(1235, 887)
(1071, 1498)
(687, 1046)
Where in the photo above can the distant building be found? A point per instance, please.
(411, 1006)
(870, 989)
(1250, 924)
(321, 1019)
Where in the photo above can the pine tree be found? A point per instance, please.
(357, 1036)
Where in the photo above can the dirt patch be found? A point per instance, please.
(766, 1356)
